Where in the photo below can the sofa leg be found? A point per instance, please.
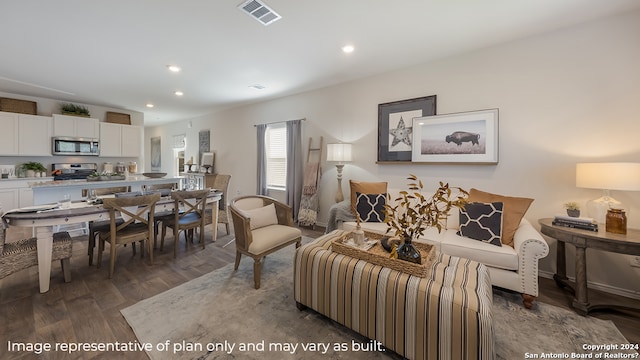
(300, 306)
(527, 300)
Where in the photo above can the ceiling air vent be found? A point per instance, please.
(259, 11)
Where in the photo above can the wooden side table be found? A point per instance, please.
(582, 240)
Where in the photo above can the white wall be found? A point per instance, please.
(564, 97)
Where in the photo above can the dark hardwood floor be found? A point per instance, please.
(88, 308)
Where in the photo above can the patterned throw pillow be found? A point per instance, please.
(370, 207)
(482, 221)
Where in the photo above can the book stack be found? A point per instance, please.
(582, 223)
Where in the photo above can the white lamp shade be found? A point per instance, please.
(339, 152)
(608, 176)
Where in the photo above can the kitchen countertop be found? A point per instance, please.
(130, 180)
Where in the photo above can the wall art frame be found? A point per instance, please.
(156, 153)
(395, 121)
(463, 138)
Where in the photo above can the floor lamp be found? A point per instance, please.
(607, 176)
(339, 153)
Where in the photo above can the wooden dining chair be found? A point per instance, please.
(96, 227)
(137, 213)
(220, 182)
(188, 215)
(165, 190)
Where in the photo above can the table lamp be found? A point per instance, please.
(339, 153)
(607, 177)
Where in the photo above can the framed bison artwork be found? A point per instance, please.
(395, 122)
(468, 137)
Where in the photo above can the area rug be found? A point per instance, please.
(221, 316)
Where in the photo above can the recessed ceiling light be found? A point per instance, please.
(173, 68)
(258, 87)
(178, 93)
(149, 105)
(347, 49)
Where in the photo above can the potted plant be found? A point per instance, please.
(573, 209)
(34, 168)
(76, 110)
(412, 213)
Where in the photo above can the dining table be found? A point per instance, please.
(46, 217)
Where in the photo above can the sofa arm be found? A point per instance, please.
(530, 247)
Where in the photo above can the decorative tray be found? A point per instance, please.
(379, 256)
(106, 177)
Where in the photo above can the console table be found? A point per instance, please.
(582, 240)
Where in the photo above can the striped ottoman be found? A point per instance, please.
(446, 315)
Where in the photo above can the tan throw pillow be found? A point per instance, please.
(365, 188)
(513, 211)
(262, 216)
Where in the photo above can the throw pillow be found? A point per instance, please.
(513, 210)
(365, 188)
(370, 207)
(482, 221)
(262, 216)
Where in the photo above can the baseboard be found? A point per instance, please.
(598, 286)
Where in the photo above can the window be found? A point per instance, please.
(276, 154)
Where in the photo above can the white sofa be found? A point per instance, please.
(514, 268)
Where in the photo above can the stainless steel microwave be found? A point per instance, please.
(75, 146)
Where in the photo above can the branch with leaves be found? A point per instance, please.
(413, 213)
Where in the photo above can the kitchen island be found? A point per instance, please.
(48, 192)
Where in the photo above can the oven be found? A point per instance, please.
(75, 146)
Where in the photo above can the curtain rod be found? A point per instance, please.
(278, 122)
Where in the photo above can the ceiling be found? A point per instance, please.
(115, 53)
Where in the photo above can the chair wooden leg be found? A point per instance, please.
(151, 246)
(100, 250)
(176, 240)
(202, 236)
(527, 300)
(66, 269)
(112, 259)
(238, 256)
(257, 269)
(227, 226)
(91, 246)
(164, 232)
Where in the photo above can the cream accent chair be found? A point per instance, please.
(262, 225)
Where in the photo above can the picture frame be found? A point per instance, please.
(395, 122)
(467, 137)
(156, 153)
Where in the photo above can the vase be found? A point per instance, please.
(31, 173)
(616, 221)
(407, 252)
(573, 212)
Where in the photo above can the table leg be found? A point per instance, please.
(44, 236)
(561, 264)
(581, 300)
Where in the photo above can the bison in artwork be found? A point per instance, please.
(459, 137)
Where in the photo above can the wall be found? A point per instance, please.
(47, 107)
(564, 97)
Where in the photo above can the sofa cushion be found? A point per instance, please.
(365, 188)
(514, 209)
(482, 221)
(503, 257)
(370, 207)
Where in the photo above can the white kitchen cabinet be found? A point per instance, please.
(25, 135)
(75, 126)
(118, 140)
(9, 199)
(34, 135)
(9, 133)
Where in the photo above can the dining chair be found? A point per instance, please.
(262, 225)
(137, 214)
(22, 254)
(96, 227)
(188, 215)
(220, 182)
(165, 190)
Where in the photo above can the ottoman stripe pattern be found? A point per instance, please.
(446, 315)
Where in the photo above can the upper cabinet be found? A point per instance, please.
(117, 140)
(25, 135)
(75, 126)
